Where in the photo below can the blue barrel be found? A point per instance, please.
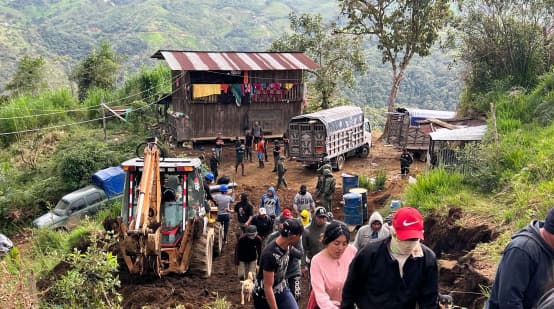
(353, 209)
(349, 182)
(395, 204)
(363, 193)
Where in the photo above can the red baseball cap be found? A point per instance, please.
(408, 223)
(286, 214)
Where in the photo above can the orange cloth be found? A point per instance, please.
(224, 87)
(204, 90)
(245, 77)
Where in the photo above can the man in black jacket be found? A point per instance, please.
(397, 272)
(526, 267)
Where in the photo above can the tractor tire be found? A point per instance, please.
(202, 254)
(218, 239)
(364, 152)
(339, 162)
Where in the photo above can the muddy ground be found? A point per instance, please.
(451, 240)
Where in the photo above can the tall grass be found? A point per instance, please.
(435, 189)
(28, 112)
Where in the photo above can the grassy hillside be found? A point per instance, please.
(64, 31)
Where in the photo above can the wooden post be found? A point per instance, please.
(104, 121)
(493, 113)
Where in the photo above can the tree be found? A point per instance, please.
(404, 28)
(339, 55)
(505, 43)
(97, 70)
(29, 77)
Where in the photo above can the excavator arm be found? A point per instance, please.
(143, 233)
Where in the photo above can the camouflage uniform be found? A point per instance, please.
(327, 189)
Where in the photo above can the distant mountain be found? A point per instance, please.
(65, 31)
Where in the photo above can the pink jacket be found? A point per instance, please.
(328, 276)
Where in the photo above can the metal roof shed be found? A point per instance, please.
(446, 145)
(464, 134)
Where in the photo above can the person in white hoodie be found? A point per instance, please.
(375, 230)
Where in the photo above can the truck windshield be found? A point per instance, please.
(61, 208)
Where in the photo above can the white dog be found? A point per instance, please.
(247, 286)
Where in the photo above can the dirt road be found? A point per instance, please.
(194, 292)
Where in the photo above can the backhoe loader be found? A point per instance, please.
(166, 225)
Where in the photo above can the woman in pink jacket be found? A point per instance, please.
(329, 267)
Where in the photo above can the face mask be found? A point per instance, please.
(251, 236)
(402, 247)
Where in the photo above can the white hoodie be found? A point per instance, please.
(363, 236)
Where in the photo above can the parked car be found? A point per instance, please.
(5, 245)
(74, 206)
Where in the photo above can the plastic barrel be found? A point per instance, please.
(353, 209)
(349, 182)
(363, 193)
(395, 204)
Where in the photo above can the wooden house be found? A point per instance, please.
(228, 91)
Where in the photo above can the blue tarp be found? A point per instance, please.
(111, 180)
(422, 114)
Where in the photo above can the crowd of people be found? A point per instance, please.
(385, 266)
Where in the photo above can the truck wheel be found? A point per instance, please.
(364, 152)
(340, 162)
(218, 239)
(202, 254)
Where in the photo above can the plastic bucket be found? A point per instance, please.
(349, 182)
(353, 209)
(395, 204)
(363, 193)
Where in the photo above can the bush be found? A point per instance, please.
(91, 282)
(373, 183)
(77, 164)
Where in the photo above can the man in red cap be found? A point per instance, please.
(396, 272)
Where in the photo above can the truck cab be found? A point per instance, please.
(179, 236)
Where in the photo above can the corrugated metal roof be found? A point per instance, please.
(235, 61)
(336, 118)
(464, 134)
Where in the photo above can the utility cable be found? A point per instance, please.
(79, 122)
(85, 108)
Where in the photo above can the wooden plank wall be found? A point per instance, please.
(207, 119)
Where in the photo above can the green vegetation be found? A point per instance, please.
(402, 28)
(65, 32)
(375, 183)
(339, 55)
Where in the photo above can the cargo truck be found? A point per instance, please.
(336, 133)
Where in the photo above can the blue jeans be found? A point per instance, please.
(224, 219)
(284, 300)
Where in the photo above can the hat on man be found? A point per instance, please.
(305, 217)
(223, 188)
(262, 211)
(321, 212)
(549, 221)
(285, 215)
(408, 223)
(251, 231)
